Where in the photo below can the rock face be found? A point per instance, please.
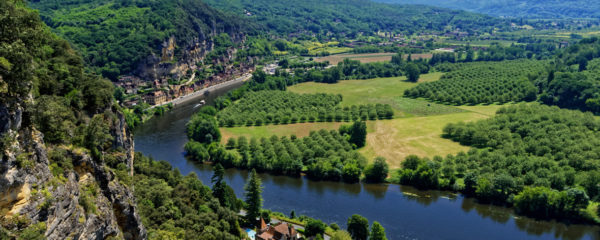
(193, 51)
(87, 202)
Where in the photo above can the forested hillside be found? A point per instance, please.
(518, 8)
(351, 17)
(114, 36)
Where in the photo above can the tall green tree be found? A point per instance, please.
(314, 228)
(378, 171)
(377, 232)
(253, 198)
(204, 129)
(358, 134)
(221, 190)
(358, 227)
(412, 72)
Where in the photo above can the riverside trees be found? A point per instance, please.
(542, 159)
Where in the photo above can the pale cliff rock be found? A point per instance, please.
(29, 189)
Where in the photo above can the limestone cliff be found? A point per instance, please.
(176, 56)
(87, 202)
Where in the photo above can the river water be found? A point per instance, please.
(406, 213)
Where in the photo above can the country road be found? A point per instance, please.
(196, 94)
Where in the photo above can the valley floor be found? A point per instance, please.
(416, 128)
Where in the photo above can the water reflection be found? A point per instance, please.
(376, 190)
(405, 212)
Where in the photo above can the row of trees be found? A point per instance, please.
(541, 159)
(280, 107)
(481, 82)
(325, 155)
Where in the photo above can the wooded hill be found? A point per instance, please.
(351, 17)
(518, 8)
(114, 35)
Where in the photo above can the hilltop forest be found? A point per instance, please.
(543, 9)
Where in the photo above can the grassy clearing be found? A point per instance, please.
(397, 138)
(393, 139)
(299, 129)
(417, 128)
(380, 90)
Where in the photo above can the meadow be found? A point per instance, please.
(416, 128)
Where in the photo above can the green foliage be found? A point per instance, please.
(114, 36)
(223, 192)
(253, 198)
(314, 228)
(341, 235)
(525, 155)
(377, 232)
(33, 232)
(547, 203)
(172, 205)
(59, 162)
(357, 133)
(483, 82)
(573, 81)
(351, 17)
(87, 197)
(203, 128)
(377, 171)
(325, 154)
(534, 9)
(37, 62)
(358, 227)
(412, 72)
(279, 107)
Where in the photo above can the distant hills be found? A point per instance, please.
(349, 17)
(115, 36)
(518, 8)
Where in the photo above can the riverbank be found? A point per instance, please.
(405, 212)
(197, 94)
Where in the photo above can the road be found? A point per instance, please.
(196, 94)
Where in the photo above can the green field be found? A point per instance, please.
(380, 90)
(417, 129)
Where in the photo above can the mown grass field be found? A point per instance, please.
(380, 90)
(416, 129)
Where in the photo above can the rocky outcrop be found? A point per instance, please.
(189, 54)
(85, 202)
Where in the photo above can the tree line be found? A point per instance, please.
(540, 159)
(484, 82)
(281, 107)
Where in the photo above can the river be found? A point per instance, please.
(406, 213)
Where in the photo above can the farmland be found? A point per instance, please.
(368, 57)
(416, 129)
